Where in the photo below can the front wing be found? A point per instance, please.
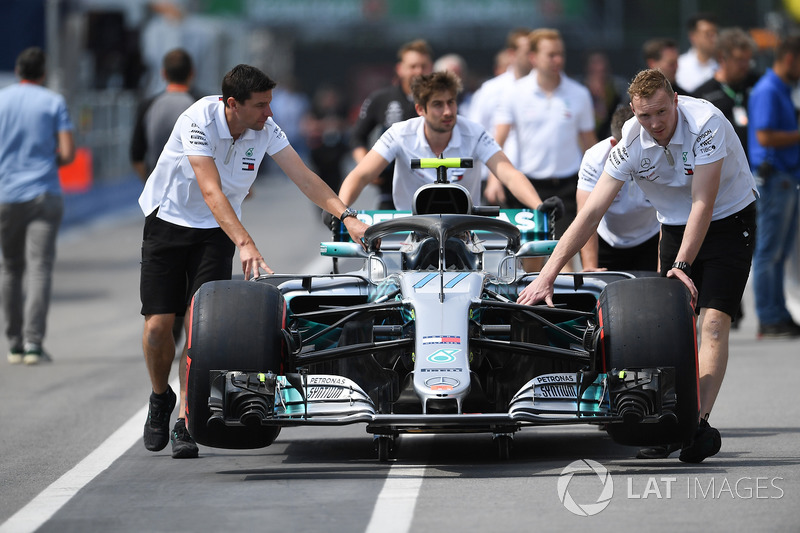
(265, 399)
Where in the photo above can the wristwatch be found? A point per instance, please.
(349, 212)
(683, 265)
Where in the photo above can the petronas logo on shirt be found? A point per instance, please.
(249, 152)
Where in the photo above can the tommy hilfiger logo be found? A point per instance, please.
(248, 166)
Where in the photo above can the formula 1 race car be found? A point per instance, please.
(424, 335)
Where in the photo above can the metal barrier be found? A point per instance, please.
(104, 124)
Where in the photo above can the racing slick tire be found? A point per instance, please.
(236, 325)
(647, 323)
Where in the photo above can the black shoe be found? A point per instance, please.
(156, 429)
(183, 445)
(706, 443)
(658, 452)
(781, 330)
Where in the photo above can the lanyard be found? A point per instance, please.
(733, 95)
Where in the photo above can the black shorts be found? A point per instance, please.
(564, 188)
(642, 257)
(176, 261)
(722, 266)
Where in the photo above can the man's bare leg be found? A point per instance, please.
(715, 329)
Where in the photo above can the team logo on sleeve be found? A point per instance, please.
(197, 136)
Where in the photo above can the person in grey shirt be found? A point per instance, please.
(156, 116)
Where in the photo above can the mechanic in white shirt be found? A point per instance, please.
(698, 64)
(627, 237)
(553, 118)
(192, 204)
(688, 160)
(438, 131)
(492, 92)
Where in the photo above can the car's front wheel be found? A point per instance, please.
(649, 323)
(236, 325)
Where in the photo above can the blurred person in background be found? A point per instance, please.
(662, 54)
(553, 119)
(293, 107)
(386, 106)
(36, 140)
(326, 134)
(458, 66)
(698, 64)
(627, 236)
(156, 116)
(774, 144)
(730, 86)
(607, 90)
(488, 97)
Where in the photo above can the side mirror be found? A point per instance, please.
(342, 249)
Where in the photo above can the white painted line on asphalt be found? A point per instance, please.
(50, 500)
(394, 508)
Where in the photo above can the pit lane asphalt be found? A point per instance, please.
(327, 479)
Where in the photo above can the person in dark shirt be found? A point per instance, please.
(729, 88)
(663, 55)
(386, 106)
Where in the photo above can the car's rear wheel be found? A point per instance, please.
(236, 325)
(648, 323)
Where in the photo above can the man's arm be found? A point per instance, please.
(572, 241)
(494, 192)
(317, 190)
(590, 251)
(519, 185)
(66, 148)
(777, 138)
(138, 147)
(211, 186)
(705, 186)
(365, 172)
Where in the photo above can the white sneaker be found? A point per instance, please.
(34, 355)
(32, 358)
(15, 358)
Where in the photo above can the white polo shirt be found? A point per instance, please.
(484, 106)
(406, 140)
(547, 126)
(691, 72)
(703, 135)
(631, 219)
(202, 130)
